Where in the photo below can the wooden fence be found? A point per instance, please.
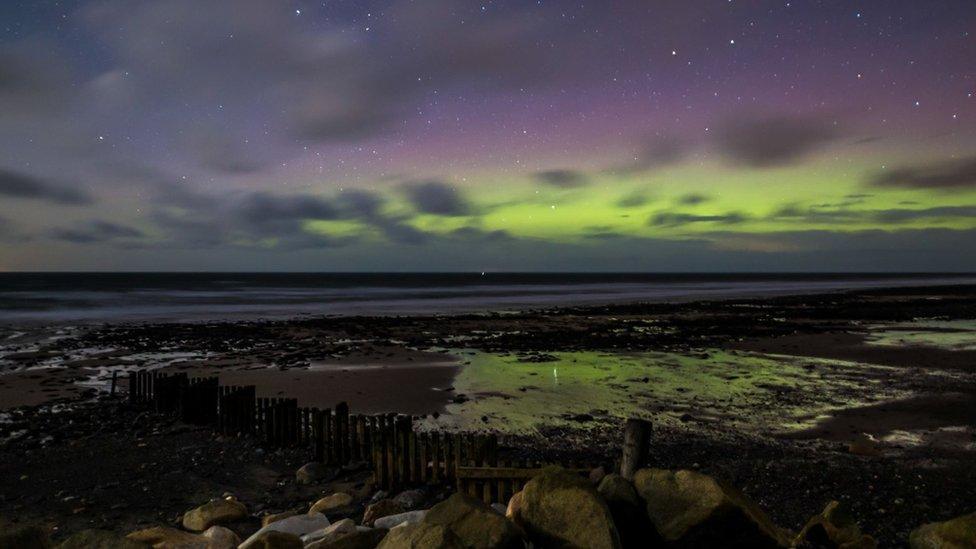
(399, 455)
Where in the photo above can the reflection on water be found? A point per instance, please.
(953, 335)
(745, 391)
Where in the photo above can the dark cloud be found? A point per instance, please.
(772, 141)
(669, 219)
(947, 175)
(692, 199)
(564, 179)
(655, 152)
(96, 231)
(899, 215)
(18, 185)
(262, 208)
(633, 200)
(436, 197)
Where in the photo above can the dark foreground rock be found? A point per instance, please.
(957, 533)
(690, 509)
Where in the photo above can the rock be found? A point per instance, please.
(597, 474)
(957, 533)
(475, 524)
(378, 496)
(221, 511)
(382, 508)
(690, 509)
(312, 472)
(628, 513)
(164, 537)
(332, 532)
(499, 508)
(221, 538)
(616, 489)
(392, 521)
(268, 519)
(331, 503)
(514, 510)
(411, 499)
(15, 537)
(864, 447)
(275, 540)
(834, 528)
(421, 536)
(361, 539)
(298, 526)
(558, 508)
(100, 539)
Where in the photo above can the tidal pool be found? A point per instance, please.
(952, 335)
(712, 388)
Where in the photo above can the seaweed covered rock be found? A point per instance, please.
(221, 511)
(834, 528)
(957, 533)
(475, 524)
(690, 509)
(558, 508)
(627, 510)
(382, 508)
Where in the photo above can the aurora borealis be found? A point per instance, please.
(720, 135)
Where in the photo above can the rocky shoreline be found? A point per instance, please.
(90, 461)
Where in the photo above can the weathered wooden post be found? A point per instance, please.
(637, 437)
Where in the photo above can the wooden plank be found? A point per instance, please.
(477, 472)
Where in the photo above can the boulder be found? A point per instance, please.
(164, 537)
(275, 540)
(597, 474)
(360, 539)
(834, 528)
(615, 489)
(514, 510)
(559, 508)
(275, 517)
(957, 533)
(221, 511)
(411, 499)
(298, 526)
(690, 509)
(15, 537)
(332, 532)
(331, 503)
(392, 521)
(421, 536)
(100, 539)
(475, 524)
(382, 508)
(628, 513)
(312, 472)
(219, 537)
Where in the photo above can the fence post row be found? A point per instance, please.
(398, 454)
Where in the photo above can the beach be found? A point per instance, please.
(867, 396)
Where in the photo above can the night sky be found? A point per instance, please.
(653, 135)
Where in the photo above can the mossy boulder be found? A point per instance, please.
(834, 527)
(957, 533)
(221, 511)
(690, 509)
(559, 508)
(475, 524)
(421, 536)
(329, 504)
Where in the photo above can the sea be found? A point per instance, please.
(165, 297)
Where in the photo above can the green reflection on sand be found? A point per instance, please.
(953, 335)
(715, 388)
